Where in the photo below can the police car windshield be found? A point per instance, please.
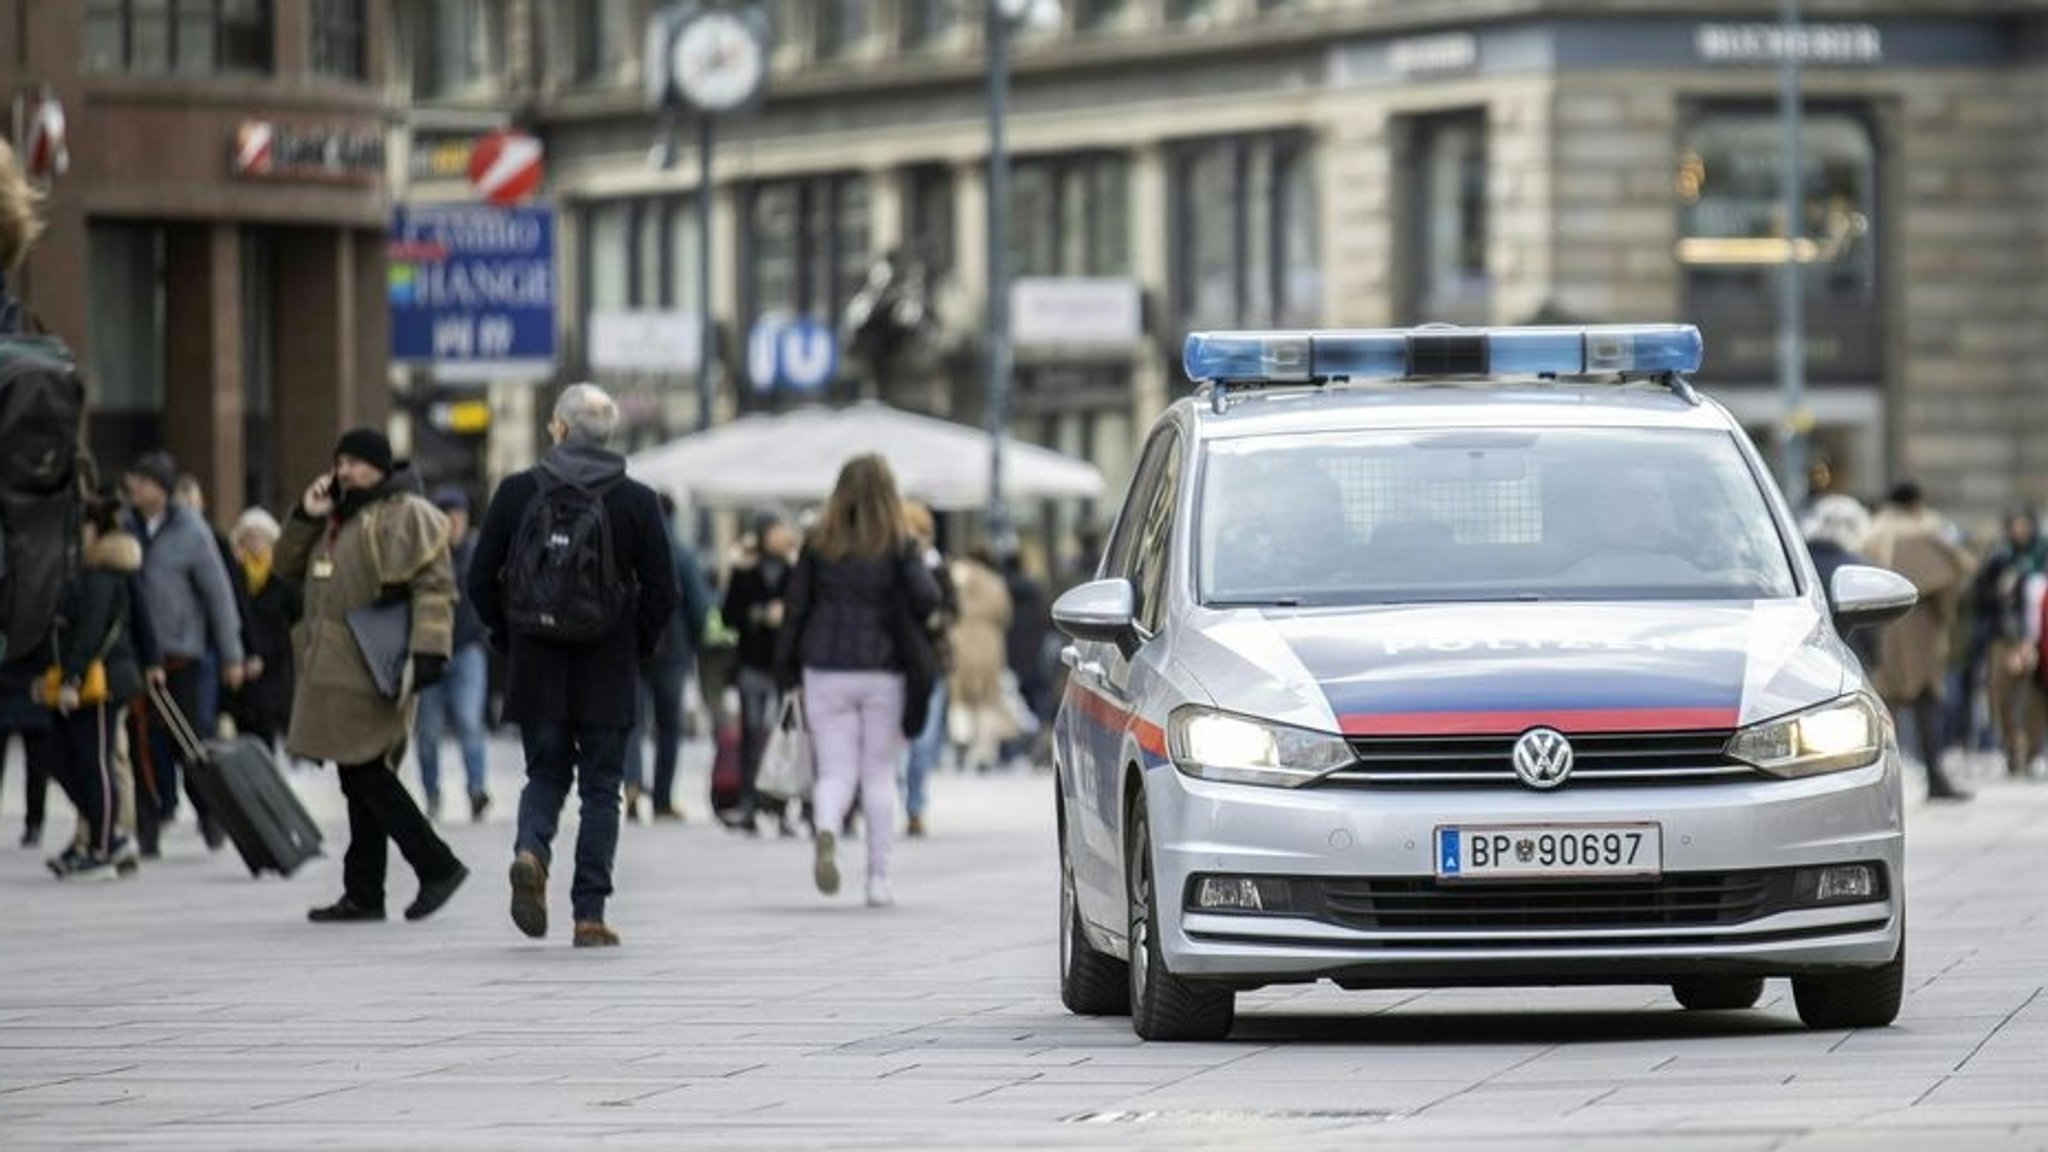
(1485, 515)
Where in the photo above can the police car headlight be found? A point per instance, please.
(1838, 735)
(1219, 746)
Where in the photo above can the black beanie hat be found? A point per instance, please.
(368, 445)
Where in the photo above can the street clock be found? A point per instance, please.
(720, 60)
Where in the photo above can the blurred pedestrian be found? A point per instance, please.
(663, 680)
(263, 705)
(192, 605)
(2007, 596)
(755, 607)
(98, 669)
(1913, 540)
(457, 701)
(1835, 528)
(1030, 622)
(21, 716)
(363, 535)
(930, 741)
(859, 578)
(979, 714)
(206, 717)
(573, 574)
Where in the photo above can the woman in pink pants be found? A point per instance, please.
(855, 643)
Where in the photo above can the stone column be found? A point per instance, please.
(203, 360)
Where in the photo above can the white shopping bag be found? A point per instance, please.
(788, 767)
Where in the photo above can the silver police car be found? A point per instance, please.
(1469, 657)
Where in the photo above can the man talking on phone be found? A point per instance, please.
(365, 535)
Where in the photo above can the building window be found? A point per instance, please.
(1189, 11)
(807, 246)
(1071, 216)
(200, 37)
(604, 38)
(928, 22)
(932, 223)
(1090, 15)
(458, 47)
(842, 25)
(1449, 281)
(337, 39)
(1244, 225)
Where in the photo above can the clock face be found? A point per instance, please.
(719, 61)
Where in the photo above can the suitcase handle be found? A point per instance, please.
(180, 728)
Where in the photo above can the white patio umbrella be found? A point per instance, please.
(795, 457)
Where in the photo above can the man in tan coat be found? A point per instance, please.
(1913, 540)
(363, 535)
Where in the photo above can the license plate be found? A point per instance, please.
(1549, 851)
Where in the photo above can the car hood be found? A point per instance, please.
(1502, 669)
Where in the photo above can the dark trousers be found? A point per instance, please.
(35, 777)
(380, 809)
(661, 700)
(591, 758)
(758, 702)
(82, 757)
(157, 788)
(1928, 715)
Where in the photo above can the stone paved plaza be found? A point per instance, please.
(194, 1008)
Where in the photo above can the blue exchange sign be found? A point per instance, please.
(472, 289)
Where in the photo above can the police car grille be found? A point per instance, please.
(1628, 758)
(1690, 900)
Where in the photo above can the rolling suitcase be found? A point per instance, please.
(246, 794)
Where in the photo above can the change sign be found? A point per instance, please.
(472, 290)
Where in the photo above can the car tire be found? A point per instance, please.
(1092, 983)
(1718, 993)
(1163, 1006)
(1866, 999)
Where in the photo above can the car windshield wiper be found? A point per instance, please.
(1513, 598)
(1258, 602)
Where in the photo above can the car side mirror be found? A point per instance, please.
(1104, 611)
(1863, 596)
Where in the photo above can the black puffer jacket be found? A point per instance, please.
(842, 613)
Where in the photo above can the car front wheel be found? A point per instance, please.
(1867, 999)
(1164, 1006)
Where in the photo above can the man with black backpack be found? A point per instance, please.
(574, 580)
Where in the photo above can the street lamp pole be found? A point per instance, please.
(1791, 307)
(998, 265)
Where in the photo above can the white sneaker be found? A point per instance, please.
(879, 895)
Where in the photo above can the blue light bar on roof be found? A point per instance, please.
(1441, 351)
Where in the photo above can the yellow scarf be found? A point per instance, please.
(257, 568)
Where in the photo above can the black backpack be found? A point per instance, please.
(42, 410)
(561, 582)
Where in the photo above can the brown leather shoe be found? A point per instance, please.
(530, 895)
(595, 934)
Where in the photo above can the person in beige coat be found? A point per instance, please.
(979, 716)
(1913, 540)
(364, 534)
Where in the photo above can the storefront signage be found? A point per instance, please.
(441, 157)
(1810, 43)
(646, 340)
(472, 290)
(264, 150)
(1430, 55)
(1071, 311)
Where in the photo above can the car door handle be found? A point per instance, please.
(1086, 669)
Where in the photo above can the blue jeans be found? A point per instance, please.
(924, 752)
(457, 702)
(590, 758)
(661, 696)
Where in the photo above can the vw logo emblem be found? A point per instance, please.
(1543, 758)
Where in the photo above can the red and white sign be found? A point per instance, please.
(253, 142)
(48, 156)
(505, 168)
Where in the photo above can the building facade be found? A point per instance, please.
(215, 248)
(1185, 164)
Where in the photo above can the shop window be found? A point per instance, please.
(1244, 227)
(336, 47)
(1448, 280)
(933, 220)
(807, 247)
(604, 33)
(126, 331)
(202, 37)
(1070, 216)
(1732, 239)
(608, 256)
